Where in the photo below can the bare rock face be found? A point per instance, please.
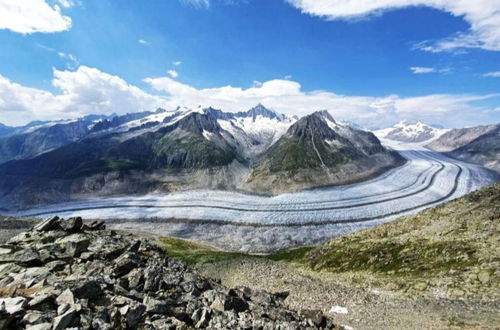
(67, 274)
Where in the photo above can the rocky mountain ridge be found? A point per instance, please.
(69, 274)
(480, 145)
(40, 137)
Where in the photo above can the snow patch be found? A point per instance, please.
(333, 143)
(207, 135)
(256, 135)
(49, 124)
(333, 124)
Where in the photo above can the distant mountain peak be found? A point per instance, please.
(417, 123)
(324, 114)
(406, 131)
(261, 110)
(319, 123)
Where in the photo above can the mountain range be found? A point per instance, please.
(409, 132)
(258, 150)
(479, 145)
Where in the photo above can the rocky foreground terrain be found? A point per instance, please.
(67, 274)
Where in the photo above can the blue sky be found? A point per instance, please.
(373, 65)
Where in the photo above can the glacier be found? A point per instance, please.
(258, 224)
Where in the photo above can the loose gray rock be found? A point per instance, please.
(72, 225)
(13, 305)
(154, 306)
(63, 321)
(47, 224)
(41, 326)
(82, 277)
(66, 297)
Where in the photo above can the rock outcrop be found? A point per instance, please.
(69, 274)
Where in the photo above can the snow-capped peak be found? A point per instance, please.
(405, 131)
(261, 110)
(256, 129)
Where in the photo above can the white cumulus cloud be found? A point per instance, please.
(482, 15)
(88, 90)
(288, 96)
(30, 16)
(81, 92)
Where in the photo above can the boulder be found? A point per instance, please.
(125, 263)
(74, 244)
(87, 289)
(134, 314)
(95, 225)
(26, 257)
(72, 225)
(34, 317)
(201, 317)
(42, 301)
(228, 303)
(155, 306)
(66, 297)
(63, 321)
(41, 326)
(5, 320)
(152, 277)
(14, 305)
(47, 224)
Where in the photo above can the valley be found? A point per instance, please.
(259, 224)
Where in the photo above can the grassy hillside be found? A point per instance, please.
(453, 249)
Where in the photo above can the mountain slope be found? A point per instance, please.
(410, 132)
(33, 142)
(187, 153)
(479, 145)
(37, 138)
(450, 251)
(6, 130)
(317, 151)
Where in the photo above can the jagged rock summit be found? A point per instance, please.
(70, 274)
